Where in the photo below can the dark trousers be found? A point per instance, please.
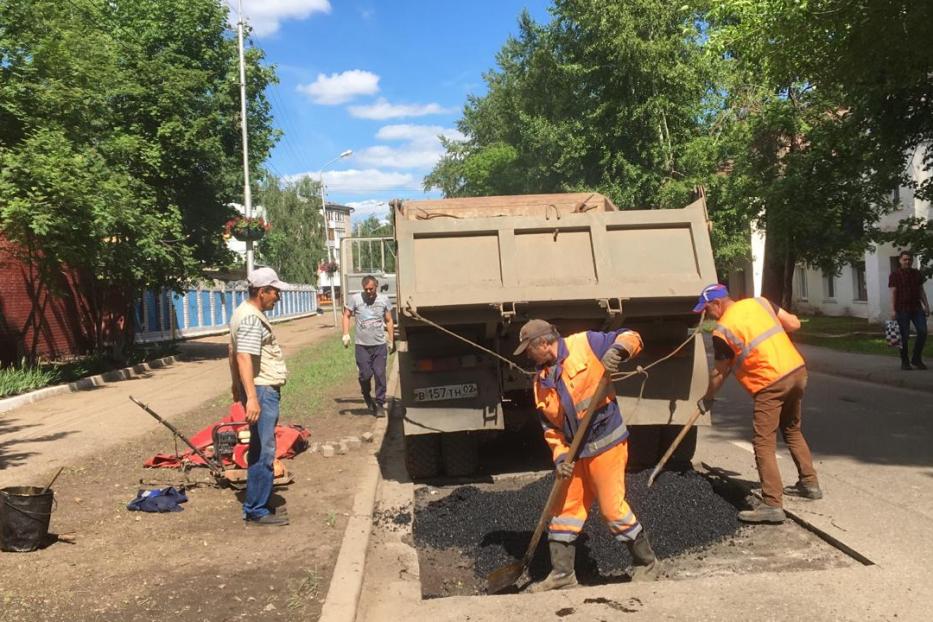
(919, 320)
(371, 362)
(777, 407)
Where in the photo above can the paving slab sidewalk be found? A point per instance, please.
(62, 429)
(868, 367)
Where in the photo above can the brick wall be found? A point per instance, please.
(66, 328)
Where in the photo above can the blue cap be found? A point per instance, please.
(710, 292)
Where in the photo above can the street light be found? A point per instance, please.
(333, 297)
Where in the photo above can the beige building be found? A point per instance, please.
(338, 228)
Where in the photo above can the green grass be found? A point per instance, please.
(847, 334)
(23, 378)
(312, 373)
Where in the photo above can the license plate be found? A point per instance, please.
(447, 392)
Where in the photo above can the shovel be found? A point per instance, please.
(503, 577)
(670, 450)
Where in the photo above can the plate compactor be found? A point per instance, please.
(225, 437)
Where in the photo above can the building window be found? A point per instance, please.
(858, 282)
(829, 285)
(800, 280)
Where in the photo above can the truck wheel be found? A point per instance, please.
(459, 453)
(422, 455)
(682, 458)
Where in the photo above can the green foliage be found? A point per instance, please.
(294, 245)
(119, 149)
(24, 378)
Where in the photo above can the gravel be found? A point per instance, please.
(492, 528)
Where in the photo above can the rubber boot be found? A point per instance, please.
(562, 574)
(645, 565)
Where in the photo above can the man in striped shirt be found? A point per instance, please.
(257, 369)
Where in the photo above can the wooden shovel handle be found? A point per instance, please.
(674, 445)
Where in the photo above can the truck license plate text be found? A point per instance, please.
(447, 392)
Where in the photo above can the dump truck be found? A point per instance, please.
(471, 271)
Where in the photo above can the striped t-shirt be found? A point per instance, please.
(249, 335)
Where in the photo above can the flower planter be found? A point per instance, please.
(249, 236)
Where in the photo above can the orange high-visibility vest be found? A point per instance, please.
(581, 372)
(763, 352)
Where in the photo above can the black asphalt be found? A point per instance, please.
(680, 512)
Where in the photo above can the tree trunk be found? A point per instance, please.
(772, 274)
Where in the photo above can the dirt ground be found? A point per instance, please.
(752, 549)
(200, 564)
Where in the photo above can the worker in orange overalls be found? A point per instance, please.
(568, 370)
(751, 339)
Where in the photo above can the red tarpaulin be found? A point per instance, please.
(289, 440)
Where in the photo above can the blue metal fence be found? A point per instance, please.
(167, 314)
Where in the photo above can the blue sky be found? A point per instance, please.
(380, 77)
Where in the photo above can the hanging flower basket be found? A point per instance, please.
(246, 229)
(330, 267)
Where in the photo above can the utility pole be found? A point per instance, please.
(247, 196)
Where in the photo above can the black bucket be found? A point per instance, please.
(25, 512)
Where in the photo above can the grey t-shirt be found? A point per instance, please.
(370, 319)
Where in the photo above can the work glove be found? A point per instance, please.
(703, 405)
(346, 341)
(391, 345)
(565, 470)
(613, 358)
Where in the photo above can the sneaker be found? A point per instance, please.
(380, 410)
(919, 365)
(268, 520)
(906, 366)
(804, 491)
(763, 514)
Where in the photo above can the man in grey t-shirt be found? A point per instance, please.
(374, 334)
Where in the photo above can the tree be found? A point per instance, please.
(376, 255)
(119, 149)
(803, 163)
(613, 97)
(295, 242)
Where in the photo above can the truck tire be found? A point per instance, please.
(459, 453)
(422, 455)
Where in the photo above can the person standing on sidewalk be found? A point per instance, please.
(568, 371)
(910, 305)
(751, 339)
(257, 368)
(375, 332)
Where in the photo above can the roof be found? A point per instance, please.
(339, 208)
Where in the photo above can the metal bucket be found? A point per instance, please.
(25, 512)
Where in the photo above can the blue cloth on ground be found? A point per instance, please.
(164, 500)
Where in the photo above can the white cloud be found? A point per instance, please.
(266, 16)
(338, 88)
(421, 148)
(370, 207)
(366, 181)
(382, 109)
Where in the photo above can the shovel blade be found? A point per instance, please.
(503, 577)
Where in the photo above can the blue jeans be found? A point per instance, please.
(919, 320)
(261, 455)
(371, 363)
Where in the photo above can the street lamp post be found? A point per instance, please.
(333, 297)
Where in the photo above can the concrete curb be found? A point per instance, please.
(11, 403)
(346, 584)
(883, 378)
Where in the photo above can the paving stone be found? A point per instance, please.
(342, 448)
(353, 442)
(367, 437)
(328, 451)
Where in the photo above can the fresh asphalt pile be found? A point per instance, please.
(680, 512)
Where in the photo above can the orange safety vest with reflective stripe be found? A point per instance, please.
(581, 371)
(763, 352)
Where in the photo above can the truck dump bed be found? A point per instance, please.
(458, 253)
